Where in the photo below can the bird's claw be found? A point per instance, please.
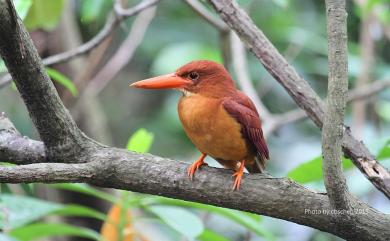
(238, 174)
(237, 181)
(193, 168)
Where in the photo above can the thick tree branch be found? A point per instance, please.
(333, 128)
(261, 194)
(298, 88)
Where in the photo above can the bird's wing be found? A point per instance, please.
(244, 111)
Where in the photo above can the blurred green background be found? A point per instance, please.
(147, 121)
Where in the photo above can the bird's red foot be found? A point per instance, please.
(238, 174)
(195, 166)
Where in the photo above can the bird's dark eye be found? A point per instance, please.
(193, 76)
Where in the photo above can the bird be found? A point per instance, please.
(220, 120)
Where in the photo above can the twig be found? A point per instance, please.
(368, 90)
(355, 94)
(123, 54)
(124, 13)
(118, 61)
(223, 29)
(112, 22)
(207, 15)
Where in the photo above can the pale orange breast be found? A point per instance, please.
(212, 130)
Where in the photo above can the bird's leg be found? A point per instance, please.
(194, 166)
(238, 174)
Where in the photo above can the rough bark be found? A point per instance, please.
(333, 127)
(262, 194)
(16, 148)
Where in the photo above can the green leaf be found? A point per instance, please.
(312, 170)
(140, 141)
(384, 152)
(41, 230)
(2, 66)
(383, 109)
(63, 80)
(22, 210)
(178, 54)
(181, 220)
(22, 7)
(247, 220)
(13, 86)
(80, 211)
(28, 188)
(4, 188)
(209, 235)
(85, 189)
(44, 14)
(91, 9)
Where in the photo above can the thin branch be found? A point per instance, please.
(118, 61)
(368, 90)
(125, 13)
(362, 92)
(296, 86)
(333, 128)
(123, 54)
(112, 22)
(202, 11)
(240, 67)
(222, 28)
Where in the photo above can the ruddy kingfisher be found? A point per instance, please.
(220, 120)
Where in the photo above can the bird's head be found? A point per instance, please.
(198, 77)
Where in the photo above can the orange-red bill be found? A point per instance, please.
(169, 81)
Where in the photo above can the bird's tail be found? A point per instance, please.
(257, 166)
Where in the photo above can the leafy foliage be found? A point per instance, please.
(22, 7)
(44, 14)
(23, 210)
(141, 141)
(181, 220)
(311, 171)
(42, 230)
(62, 80)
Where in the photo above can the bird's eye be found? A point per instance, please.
(193, 76)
